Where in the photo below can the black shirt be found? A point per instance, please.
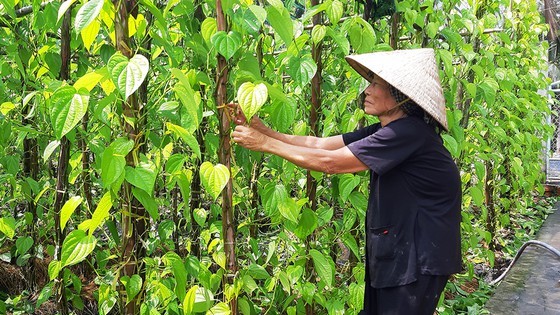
(414, 208)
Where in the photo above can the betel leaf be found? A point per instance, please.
(281, 22)
(112, 167)
(301, 69)
(89, 34)
(76, 247)
(208, 28)
(128, 74)
(142, 176)
(188, 301)
(214, 178)
(346, 184)
(8, 226)
(87, 13)
(68, 106)
(174, 261)
(226, 44)
(188, 138)
(68, 209)
(99, 215)
(283, 115)
(335, 11)
(289, 209)
(132, 285)
(318, 33)
(322, 266)
(251, 98)
(147, 201)
(23, 244)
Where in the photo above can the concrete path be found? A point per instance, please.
(532, 286)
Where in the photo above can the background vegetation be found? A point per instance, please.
(120, 191)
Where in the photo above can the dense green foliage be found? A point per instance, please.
(296, 251)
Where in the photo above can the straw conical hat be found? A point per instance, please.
(413, 72)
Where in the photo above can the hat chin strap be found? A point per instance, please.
(398, 104)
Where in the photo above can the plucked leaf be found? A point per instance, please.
(251, 98)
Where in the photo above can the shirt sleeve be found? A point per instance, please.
(359, 134)
(389, 146)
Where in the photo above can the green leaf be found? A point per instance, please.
(200, 215)
(132, 285)
(350, 242)
(335, 11)
(50, 149)
(318, 33)
(301, 69)
(87, 13)
(179, 271)
(54, 269)
(76, 247)
(128, 75)
(45, 295)
(214, 178)
(143, 176)
(64, 6)
(251, 98)
(346, 184)
(307, 224)
(6, 107)
(477, 195)
(69, 207)
(23, 244)
(147, 201)
(208, 28)
(220, 309)
(101, 212)
(451, 145)
(203, 300)
(283, 115)
(281, 22)
(226, 44)
(257, 272)
(322, 266)
(189, 139)
(188, 302)
(289, 209)
(8, 226)
(68, 106)
(112, 167)
(362, 36)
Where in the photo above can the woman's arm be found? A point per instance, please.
(335, 161)
(328, 143)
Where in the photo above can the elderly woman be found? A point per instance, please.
(413, 216)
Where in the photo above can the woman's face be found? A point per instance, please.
(378, 99)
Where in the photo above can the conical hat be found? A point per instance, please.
(413, 72)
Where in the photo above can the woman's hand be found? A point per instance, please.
(249, 137)
(239, 118)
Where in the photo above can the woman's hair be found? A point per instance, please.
(410, 108)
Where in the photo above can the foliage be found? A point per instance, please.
(289, 255)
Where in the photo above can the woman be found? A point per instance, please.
(413, 217)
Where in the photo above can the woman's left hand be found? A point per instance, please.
(249, 138)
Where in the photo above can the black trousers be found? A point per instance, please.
(417, 298)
